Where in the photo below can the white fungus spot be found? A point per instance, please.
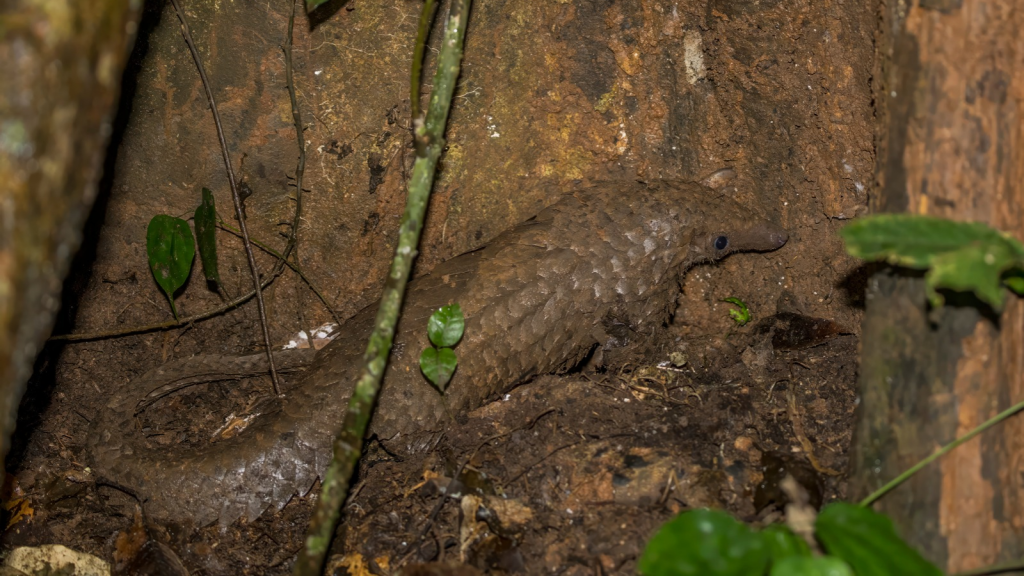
(693, 57)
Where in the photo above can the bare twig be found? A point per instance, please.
(81, 337)
(235, 197)
(231, 304)
(349, 442)
(278, 268)
(805, 442)
(432, 517)
(295, 268)
(300, 166)
(426, 19)
(520, 474)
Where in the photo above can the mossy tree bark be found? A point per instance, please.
(61, 63)
(950, 88)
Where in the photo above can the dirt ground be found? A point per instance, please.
(567, 474)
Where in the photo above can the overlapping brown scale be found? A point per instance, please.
(534, 299)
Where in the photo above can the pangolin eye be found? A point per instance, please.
(721, 243)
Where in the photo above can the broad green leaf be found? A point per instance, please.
(741, 316)
(704, 543)
(867, 541)
(171, 250)
(206, 234)
(783, 543)
(807, 566)
(1014, 280)
(438, 365)
(962, 256)
(445, 326)
(914, 241)
(975, 268)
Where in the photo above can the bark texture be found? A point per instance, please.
(61, 63)
(951, 85)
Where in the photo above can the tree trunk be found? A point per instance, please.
(61, 63)
(950, 81)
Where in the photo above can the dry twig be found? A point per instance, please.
(235, 197)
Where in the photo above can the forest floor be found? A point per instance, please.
(576, 470)
(567, 474)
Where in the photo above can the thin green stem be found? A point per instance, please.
(942, 452)
(348, 444)
(426, 19)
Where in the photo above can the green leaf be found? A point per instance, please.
(962, 256)
(206, 234)
(976, 268)
(312, 4)
(438, 365)
(807, 566)
(741, 316)
(867, 541)
(783, 543)
(914, 241)
(445, 327)
(704, 543)
(1014, 280)
(171, 250)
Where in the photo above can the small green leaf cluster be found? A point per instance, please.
(857, 542)
(742, 315)
(444, 328)
(171, 249)
(959, 256)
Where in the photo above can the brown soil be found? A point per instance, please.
(575, 471)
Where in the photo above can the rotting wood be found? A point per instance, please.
(949, 91)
